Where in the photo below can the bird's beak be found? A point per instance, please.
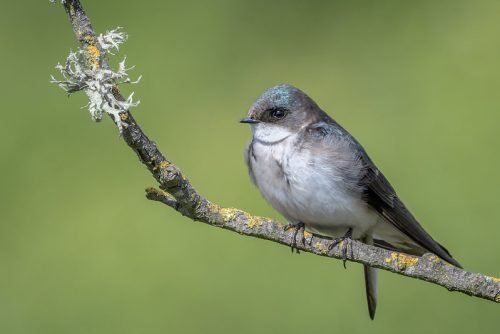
(249, 120)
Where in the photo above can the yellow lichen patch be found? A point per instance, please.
(322, 248)
(392, 258)
(164, 164)
(227, 214)
(495, 279)
(123, 116)
(253, 222)
(93, 52)
(307, 234)
(407, 260)
(402, 260)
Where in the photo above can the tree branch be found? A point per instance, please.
(178, 193)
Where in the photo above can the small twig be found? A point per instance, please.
(178, 193)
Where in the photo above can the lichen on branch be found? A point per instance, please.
(82, 70)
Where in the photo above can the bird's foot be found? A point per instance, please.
(346, 241)
(297, 227)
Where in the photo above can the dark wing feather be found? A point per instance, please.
(381, 196)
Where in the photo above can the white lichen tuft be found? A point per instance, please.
(112, 39)
(55, 1)
(98, 83)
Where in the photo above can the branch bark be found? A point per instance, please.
(178, 193)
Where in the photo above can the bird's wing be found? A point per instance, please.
(382, 197)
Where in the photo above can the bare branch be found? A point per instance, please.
(178, 193)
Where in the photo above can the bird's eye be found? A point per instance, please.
(277, 113)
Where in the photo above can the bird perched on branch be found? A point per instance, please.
(318, 176)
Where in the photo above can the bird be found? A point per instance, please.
(318, 176)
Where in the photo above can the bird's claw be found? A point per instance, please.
(346, 241)
(297, 227)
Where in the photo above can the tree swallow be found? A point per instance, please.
(317, 175)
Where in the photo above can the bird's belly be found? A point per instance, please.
(329, 209)
(316, 197)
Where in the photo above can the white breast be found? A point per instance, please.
(305, 189)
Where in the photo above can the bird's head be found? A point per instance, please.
(280, 112)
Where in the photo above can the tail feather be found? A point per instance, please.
(371, 280)
(371, 284)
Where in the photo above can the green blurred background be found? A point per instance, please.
(82, 250)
